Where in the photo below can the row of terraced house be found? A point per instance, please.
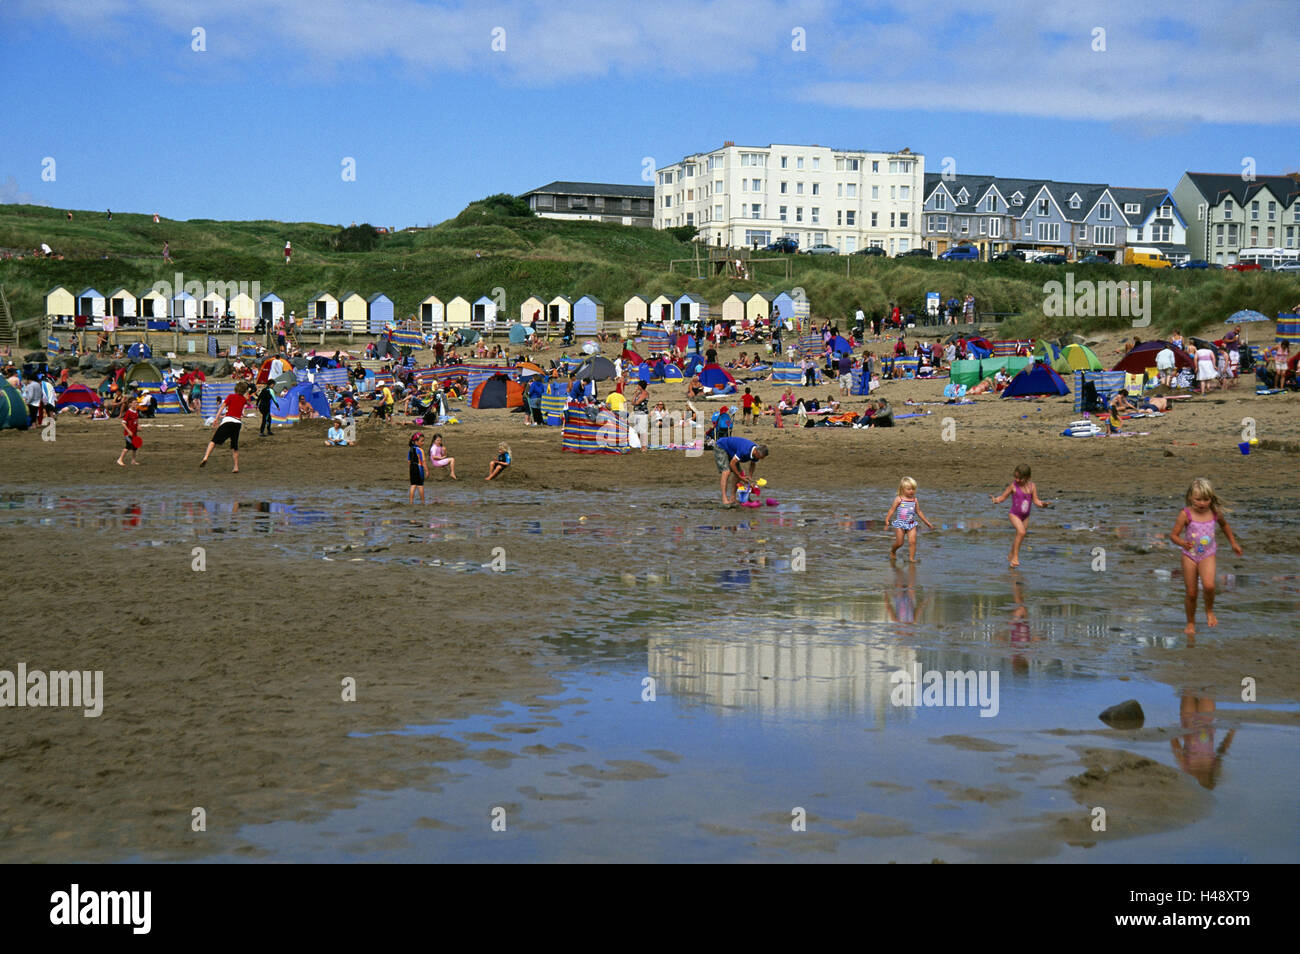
(748, 196)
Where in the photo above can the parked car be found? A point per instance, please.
(960, 253)
(1288, 267)
(1051, 258)
(1193, 263)
(821, 250)
(1245, 267)
(784, 244)
(1095, 260)
(915, 253)
(1013, 255)
(872, 250)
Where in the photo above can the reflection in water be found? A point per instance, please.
(1195, 752)
(775, 671)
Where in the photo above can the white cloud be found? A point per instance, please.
(11, 194)
(1219, 62)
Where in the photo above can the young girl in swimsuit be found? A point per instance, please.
(415, 457)
(1024, 496)
(904, 521)
(438, 456)
(1194, 532)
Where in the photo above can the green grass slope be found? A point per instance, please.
(485, 248)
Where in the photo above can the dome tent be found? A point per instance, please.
(497, 391)
(13, 411)
(1035, 381)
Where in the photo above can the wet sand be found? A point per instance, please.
(226, 684)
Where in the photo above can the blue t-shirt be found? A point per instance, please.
(738, 447)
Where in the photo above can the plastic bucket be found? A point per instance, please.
(1244, 447)
(742, 494)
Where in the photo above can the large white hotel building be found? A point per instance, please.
(746, 195)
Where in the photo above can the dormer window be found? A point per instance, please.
(1017, 199)
(1132, 208)
(1075, 201)
(963, 197)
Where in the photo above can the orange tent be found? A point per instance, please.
(498, 391)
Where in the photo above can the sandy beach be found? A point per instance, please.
(225, 685)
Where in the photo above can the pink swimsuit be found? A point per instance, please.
(1022, 499)
(1200, 534)
(438, 456)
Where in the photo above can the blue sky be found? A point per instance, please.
(258, 123)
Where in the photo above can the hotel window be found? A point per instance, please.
(817, 163)
(755, 210)
(839, 217)
(798, 188)
(668, 202)
(1083, 233)
(851, 191)
(995, 228)
(1218, 235)
(1271, 239)
(850, 217)
(785, 187)
(839, 165)
(627, 205)
(940, 201)
(839, 190)
(1232, 234)
(893, 192)
(690, 170)
(816, 215)
(891, 219)
(875, 219)
(690, 218)
(798, 162)
(1272, 211)
(855, 165)
(1103, 235)
(717, 185)
(1254, 211)
(1049, 231)
(816, 188)
(1042, 206)
(785, 162)
(1132, 208)
(1227, 208)
(1290, 236)
(984, 228)
(783, 210)
(904, 192)
(744, 185)
(756, 186)
(717, 212)
(1162, 233)
(1103, 211)
(798, 213)
(993, 203)
(902, 220)
(1166, 212)
(875, 166)
(903, 245)
(690, 197)
(965, 225)
(875, 192)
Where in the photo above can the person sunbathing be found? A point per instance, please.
(984, 387)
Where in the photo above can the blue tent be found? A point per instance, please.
(840, 344)
(718, 378)
(693, 363)
(285, 409)
(643, 372)
(975, 351)
(518, 334)
(1036, 380)
(672, 372)
(139, 351)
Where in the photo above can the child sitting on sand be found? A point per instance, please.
(500, 463)
(1194, 532)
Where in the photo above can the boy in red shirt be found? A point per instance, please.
(747, 407)
(230, 418)
(130, 432)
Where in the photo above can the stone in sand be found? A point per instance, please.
(1127, 715)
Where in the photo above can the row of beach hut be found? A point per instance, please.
(354, 312)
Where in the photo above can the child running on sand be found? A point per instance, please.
(501, 462)
(415, 457)
(230, 418)
(131, 433)
(1194, 532)
(1023, 496)
(908, 510)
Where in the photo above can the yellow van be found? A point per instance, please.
(1148, 257)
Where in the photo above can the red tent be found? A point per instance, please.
(264, 374)
(1144, 356)
(631, 357)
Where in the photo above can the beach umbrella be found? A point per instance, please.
(596, 369)
(591, 348)
(529, 370)
(1239, 317)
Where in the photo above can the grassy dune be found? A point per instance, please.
(482, 249)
